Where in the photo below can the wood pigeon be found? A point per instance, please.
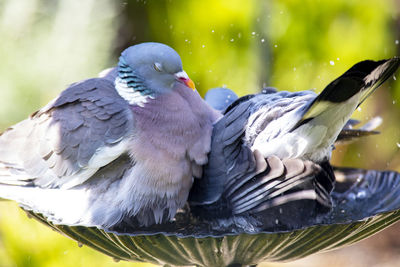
(219, 98)
(269, 162)
(122, 148)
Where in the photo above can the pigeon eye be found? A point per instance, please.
(158, 67)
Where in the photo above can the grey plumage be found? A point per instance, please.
(271, 151)
(122, 148)
(220, 98)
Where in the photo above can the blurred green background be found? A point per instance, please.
(244, 45)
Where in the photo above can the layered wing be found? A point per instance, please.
(229, 159)
(66, 142)
(241, 180)
(238, 181)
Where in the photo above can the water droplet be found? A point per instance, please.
(276, 221)
(212, 31)
(394, 102)
(351, 196)
(398, 145)
(80, 244)
(332, 62)
(337, 59)
(280, 211)
(359, 108)
(361, 194)
(262, 40)
(203, 46)
(396, 42)
(276, 45)
(342, 211)
(294, 69)
(253, 33)
(394, 77)
(232, 40)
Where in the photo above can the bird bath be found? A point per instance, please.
(362, 207)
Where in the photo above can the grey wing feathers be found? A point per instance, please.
(283, 181)
(60, 140)
(237, 180)
(229, 158)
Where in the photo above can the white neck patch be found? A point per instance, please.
(129, 94)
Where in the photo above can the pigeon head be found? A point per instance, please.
(148, 69)
(220, 98)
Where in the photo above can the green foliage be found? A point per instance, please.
(47, 45)
(214, 39)
(293, 45)
(314, 42)
(27, 243)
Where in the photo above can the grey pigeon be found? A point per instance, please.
(112, 150)
(220, 98)
(269, 162)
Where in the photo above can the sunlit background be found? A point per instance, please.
(244, 45)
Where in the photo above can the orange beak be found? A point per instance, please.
(184, 78)
(189, 83)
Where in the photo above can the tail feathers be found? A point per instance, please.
(384, 70)
(350, 134)
(325, 117)
(352, 88)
